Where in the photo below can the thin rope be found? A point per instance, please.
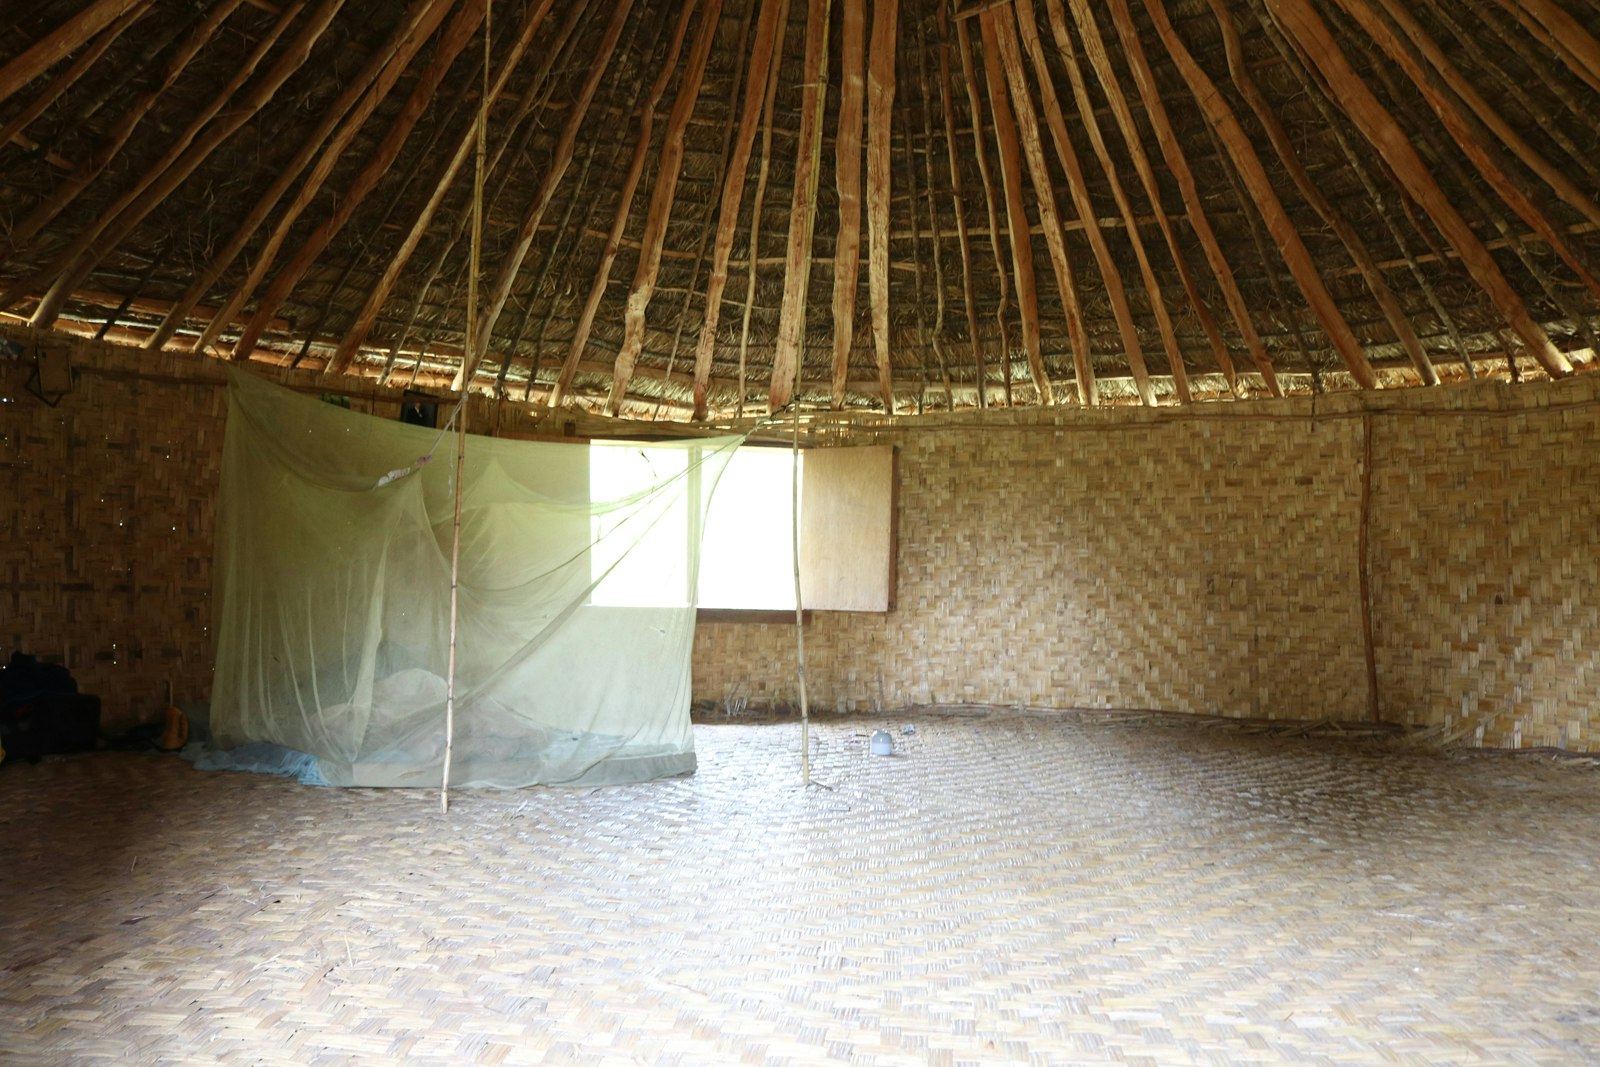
(459, 416)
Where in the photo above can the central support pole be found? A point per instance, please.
(799, 611)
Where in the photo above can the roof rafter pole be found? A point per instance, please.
(68, 77)
(975, 110)
(788, 356)
(656, 218)
(921, 348)
(630, 186)
(1347, 234)
(62, 42)
(847, 177)
(1512, 87)
(1091, 125)
(1254, 176)
(511, 265)
(1466, 138)
(958, 198)
(755, 93)
(393, 57)
(1172, 152)
(1005, 136)
(110, 144)
(760, 203)
(930, 196)
(1530, 157)
(452, 42)
(880, 115)
(1508, 41)
(1079, 191)
(67, 269)
(1319, 98)
(1303, 24)
(1562, 34)
(396, 261)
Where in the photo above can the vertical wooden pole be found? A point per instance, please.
(1363, 551)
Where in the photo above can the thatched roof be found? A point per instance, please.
(1077, 201)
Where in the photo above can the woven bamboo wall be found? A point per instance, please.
(1134, 569)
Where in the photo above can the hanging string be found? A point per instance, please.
(460, 414)
(799, 611)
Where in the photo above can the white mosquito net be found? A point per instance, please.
(575, 611)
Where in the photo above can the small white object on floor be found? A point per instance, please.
(882, 743)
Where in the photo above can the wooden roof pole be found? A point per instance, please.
(1354, 160)
(1347, 234)
(847, 177)
(452, 42)
(68, 77)
(1172, 152)
(1254, 176)
(511, 264)
(1005, 136)
(1003, 59)
(1466, 138)
(391, 58)
(931, 197)
(1303, 24)
(89, 169)
(75, 263)
(880, 114)
(1553, 176)
(669, 167)
(759, 205)
(62, 42)
(630, 186)
(1079, 190)
(789, 355)
(959, 199)
(1091, 125)
(975, 110)
(396, 261)
(755, 92)
(1562, 34)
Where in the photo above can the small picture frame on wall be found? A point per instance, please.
(419, 409)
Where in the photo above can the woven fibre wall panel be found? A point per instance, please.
(1205, 566)
(1486, 575)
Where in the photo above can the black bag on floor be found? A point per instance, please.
(41, 711)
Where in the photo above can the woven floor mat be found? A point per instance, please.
(1003, 889)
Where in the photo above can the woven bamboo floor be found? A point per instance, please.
(1005, 889)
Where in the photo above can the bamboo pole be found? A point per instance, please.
(788, 357)
(799, 608)
(1284, 233)
(1560, 33)
(931, 202)
(1005, 136)
(958, 199)
(755, 93)
(847, 178)
(1303, 24)
(1364, 563)
(760, 204)
(668, 169)
(975, 110)
(452, 42)
(62, 42)
(511, 263)
(1178, 165)
(396, 260)
(880, 114)
(73, 264)
(1388, 303)
(475, 264)
(619, 221)
(1077, 187)
(342, 120)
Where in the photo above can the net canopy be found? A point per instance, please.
(575, 603)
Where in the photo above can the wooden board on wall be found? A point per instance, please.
(847, 529)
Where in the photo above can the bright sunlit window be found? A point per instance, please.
(746, 558)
